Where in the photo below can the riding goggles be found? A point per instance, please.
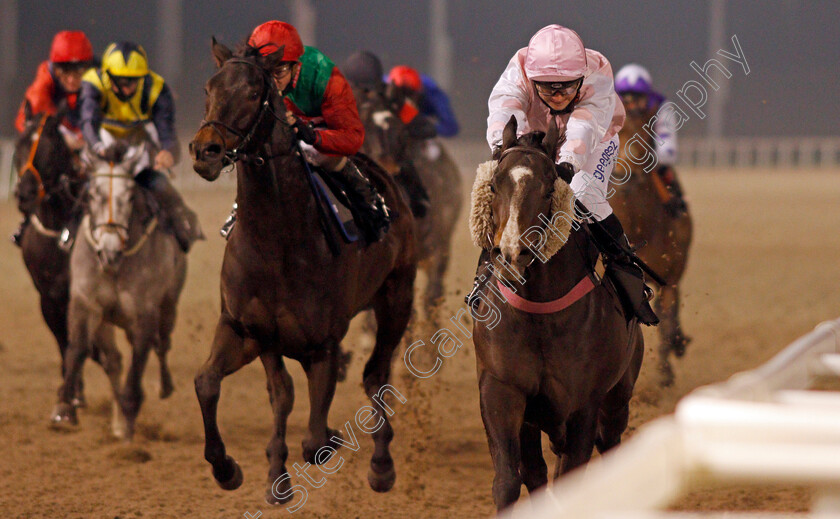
(553, 88)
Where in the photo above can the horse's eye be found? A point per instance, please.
(255, 96)
(492, 189)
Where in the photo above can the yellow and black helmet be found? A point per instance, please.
(125, 59)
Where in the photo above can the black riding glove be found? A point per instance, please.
(305, 131)
(565, 171)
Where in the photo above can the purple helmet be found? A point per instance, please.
(633, 78)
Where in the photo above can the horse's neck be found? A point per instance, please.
(556, 277)
(55, 210)
(275, 198)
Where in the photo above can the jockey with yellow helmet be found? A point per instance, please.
(556, 78)
(125, 100)
(321, 108)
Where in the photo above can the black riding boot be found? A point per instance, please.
(676, 206)
(372, 215)
(418, 197)
(17, 236)
(184, 222)
(626, 275)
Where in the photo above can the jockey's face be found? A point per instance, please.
(558, 95)
(634, 103)
(124, 87)
(70, 76)
(283, 75)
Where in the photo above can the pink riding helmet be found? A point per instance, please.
(555, 53)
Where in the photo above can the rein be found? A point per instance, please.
(30, 166)
(236, 154)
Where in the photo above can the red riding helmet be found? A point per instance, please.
(71, 47)
(272, 35)
(405, 76)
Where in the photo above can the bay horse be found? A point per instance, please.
(387, 141)
(559, 354)
(284, 292)
(638, 203)
(126, 271)
(48, 192)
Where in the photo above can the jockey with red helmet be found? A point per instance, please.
(321, 107)
(431, 99)
(635, 86)
(60, 79)
(556, 77)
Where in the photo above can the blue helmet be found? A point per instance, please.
(633, 78)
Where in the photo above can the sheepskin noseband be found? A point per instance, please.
(481, 217)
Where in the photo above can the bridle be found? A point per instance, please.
(231, 156)
(30, 165)
(112, 227)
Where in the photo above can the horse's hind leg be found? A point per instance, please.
(144, 335)
(54, 310)
(392, 306)
(670, 332)
(322, 374)
(615, 409)
(281, 392)
(434, 288)
(227, 355)
(167, 324)
(502, 411)
(533, 469)
(579, 439)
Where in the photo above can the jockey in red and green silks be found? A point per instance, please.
(322, 110)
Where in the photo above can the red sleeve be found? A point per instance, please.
(39, 94)
(344, 133)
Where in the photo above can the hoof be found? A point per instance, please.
(310, 447)
(382, 481)
(64, 416)
(679, 345)
(277, 492)
(235, 480)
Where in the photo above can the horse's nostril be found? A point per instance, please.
(213, 150)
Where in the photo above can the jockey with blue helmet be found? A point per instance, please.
(633, 83)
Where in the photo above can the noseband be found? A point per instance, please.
(237, 153)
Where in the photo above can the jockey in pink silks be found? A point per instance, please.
(556, 77)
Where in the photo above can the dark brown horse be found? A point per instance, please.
(638, 203)
(49, 187)
(388, 142)
(284, 293)
(557, 356)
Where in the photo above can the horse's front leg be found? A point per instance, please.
(321, 373)
(227, 355)
(502, 411)
(670, 334)
(81, 320)
(281, 392)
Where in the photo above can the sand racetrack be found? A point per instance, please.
(763, 271)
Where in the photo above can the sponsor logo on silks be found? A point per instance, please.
(607, 159)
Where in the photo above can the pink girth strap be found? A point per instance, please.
(583, 287)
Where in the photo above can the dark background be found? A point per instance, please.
(792, 47)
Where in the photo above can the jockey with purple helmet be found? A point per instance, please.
(633, 83)
(556, 78)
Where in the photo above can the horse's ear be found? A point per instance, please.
(27, 110)
(273, 60)
(395, 97)
(509, 135)
(62, 109)
(549, 143)
(220, 52)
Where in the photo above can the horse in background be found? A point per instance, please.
(639, 204)
(126, 272)
(285, 292)
(49, 191)
(554, 350)
(388, 141)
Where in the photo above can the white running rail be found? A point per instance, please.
(769, 425)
